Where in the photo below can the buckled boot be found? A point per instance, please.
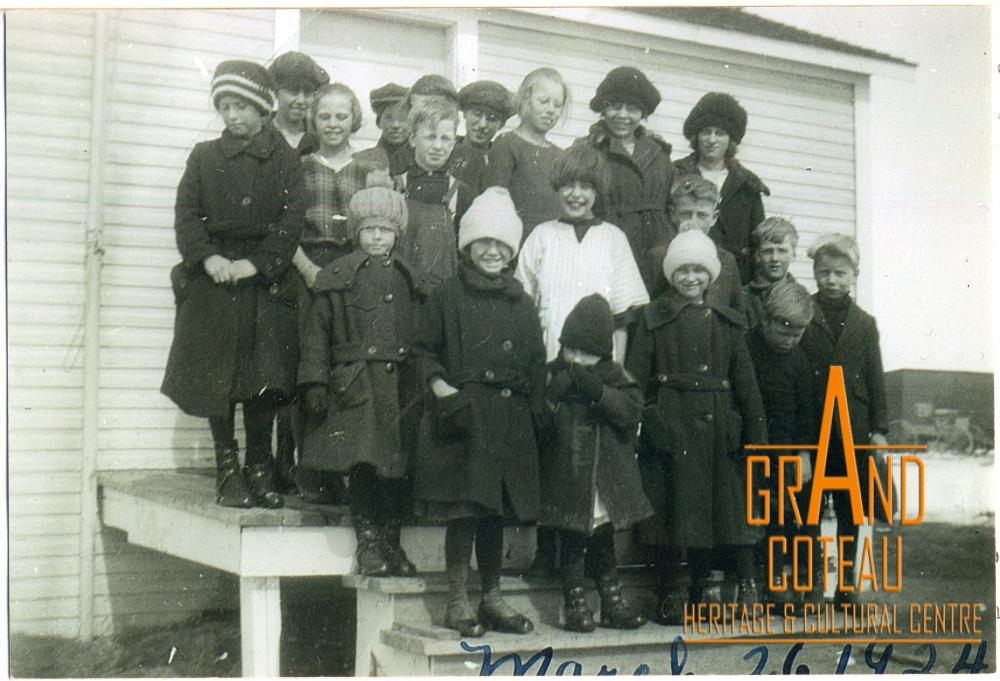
(579, 617)
(395, 556)
(230, 487)
(616, 611)
(371, 560)
(260, 480)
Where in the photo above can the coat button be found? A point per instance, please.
(390, 367)
(387, 263)
(489, 375)
(336, 269)
(387, 297)
(703, 368)
(505, 392)
(246, 201)
(662, 378)
(372, 349)
(507, 345)
(401, 352)
(274, 289)
(725, 383)
(708, 418)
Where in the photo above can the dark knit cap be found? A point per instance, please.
(486, 94)
(382, 98)
(629, 85)
(717, 110)
(244, 79)
(589, 327)
(433, 84)
(297, 71)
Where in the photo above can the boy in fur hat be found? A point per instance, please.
(702, 407)
(590, 479)
(773, 243)
(357, 379)
(715, 127)
(480, 354)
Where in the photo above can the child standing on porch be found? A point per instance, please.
(238, 219)
(358, 381)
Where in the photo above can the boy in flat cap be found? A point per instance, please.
(715, 127)
(486, 106)
(392, 150)
(297, 77)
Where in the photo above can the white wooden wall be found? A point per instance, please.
(159, 64)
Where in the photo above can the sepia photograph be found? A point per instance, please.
(504, 341)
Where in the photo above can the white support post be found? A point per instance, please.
(260, 626)
(465, 49)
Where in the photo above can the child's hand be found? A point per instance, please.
(241, 269)
(316, 400)
(441, 388)
(588, 385)
(217, 267)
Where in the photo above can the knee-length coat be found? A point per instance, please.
(741, 209)
(638, 199)
(589, 449)
(702, 406)
(357, 343)
(238, 199)
(482, 336)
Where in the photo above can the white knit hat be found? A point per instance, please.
(692, 248)
(492, 216)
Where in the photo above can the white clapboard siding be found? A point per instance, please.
(366, 51)
(800, 137)
(49, 70)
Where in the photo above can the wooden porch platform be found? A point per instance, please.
(174, 512)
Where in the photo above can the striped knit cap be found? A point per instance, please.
(246, 80)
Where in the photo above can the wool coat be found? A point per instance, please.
(238, 199)
(590, 450)
(482, 336)
(857, 351)
(741, 209)
(638, 199)
(357, 344)
(702, 407)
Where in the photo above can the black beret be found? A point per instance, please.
(717, 110)
(433, 84)
(487, 94)
(382, 97)
(629, 85)
(294, 70)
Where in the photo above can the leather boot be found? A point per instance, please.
(371, 561)
(616, 612)
(260, 480)
(230, 487)
(496, 615)
(460, 615)
(579, 617)
(671, 609)
(395, 556)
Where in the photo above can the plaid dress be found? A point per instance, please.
(328, 193)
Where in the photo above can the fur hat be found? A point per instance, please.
(492, 216)
(297, 71)
(717, 110)
(434, 85)
(487, 94)
(589, 327)
(382, 97)
(692, 248)
(629, 85)
(377, 204)
(246, 80)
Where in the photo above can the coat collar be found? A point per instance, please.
(737, 178)
(339, 275)
(665, 308)
(851, 322)
(505, 283)
(260, 145)
(647, 145)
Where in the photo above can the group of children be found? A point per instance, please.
(483, 332)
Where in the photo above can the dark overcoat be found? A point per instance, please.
(741, 209)
(238, 199)
(858, 352)
(639, 197)
(357, 343)
(482, 336)
(702, 406)
(591, 449)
